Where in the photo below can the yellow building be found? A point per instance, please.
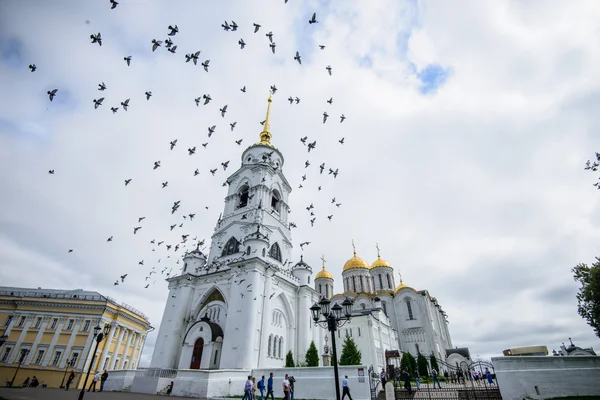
(57, 329)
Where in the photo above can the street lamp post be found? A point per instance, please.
(99, 337)
(332, 320)
(70, 363)
(24, 353)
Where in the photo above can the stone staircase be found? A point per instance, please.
(126, 389)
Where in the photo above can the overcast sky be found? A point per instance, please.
(468, 126)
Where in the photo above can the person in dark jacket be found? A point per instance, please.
(69, 381)
(270, 386)
(103, 379)
(406, 379)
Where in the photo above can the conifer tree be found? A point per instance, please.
(350, 353)
(289, 360)
(423, 366)
(405, 363)
(433, 362)
(413, 364)
(312, 356)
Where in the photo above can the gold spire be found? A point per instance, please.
(265, 135)
(324, 273)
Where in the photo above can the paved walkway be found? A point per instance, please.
(73, 394)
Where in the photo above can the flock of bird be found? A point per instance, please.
(204, 100)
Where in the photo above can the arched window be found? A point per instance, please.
(231, 247)
(276, 201)
(184, 267)
(389, 279)
(248, 250)
(353, 284)
(384, 305)
(409, 308)
(270, 344)
(380, 282)
(263, 251)
(280, 346)
(327, 291)
(363, 306)
(244, 197)
(275, 252)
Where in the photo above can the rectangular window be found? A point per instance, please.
(358, 331)
(6, 353)
(116, 363)
(86, 325)
(125, 365)
(105, 363)
(74, 359)
(38, 322)
(39, 357)
(54, 323)
(8, 320)
(124, 335)
(22, 321)
(70, 324)
(56, 358)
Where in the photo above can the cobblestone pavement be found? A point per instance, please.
(73, 394)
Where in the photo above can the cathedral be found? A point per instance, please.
(245, 304)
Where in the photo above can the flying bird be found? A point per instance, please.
(205, 65)
(96, 39)
(223, 110)
(123, 277)
(52, 93)
(98, 103)
(313, 20)
(32, 67)
(303, 140)
(239, 142)
(232, 125)
(156, 44)
(165, 184)
(211, 130)
(173, 144)
(137, 228)
(114, 109)
(168, 43)
(325, 116)
(328, 68)
(113, 4)
(156, 164)
(270, 36)
(256, 27)
(127, 181)
(51, 172)
(148, 95)
(109, 239)
(243, 89)
(101, 86)
(322, 47)
(341, 140)
(234, 26)
(174, 30)
(225, 165)
(297, 58)
(192, 151)
(274, 89)
(225, 26)
(128, 59)
(273, 45)
(312, 145)
(330, 101)
(322, 167)
(196, 172)
(125, 104)
(212, 171)
(242, 43)
(172, 49)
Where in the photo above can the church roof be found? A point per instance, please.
(403, 286)
(356, 262)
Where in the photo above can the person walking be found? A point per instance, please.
(248, 389)
(382, 376)
(345, 388)
(417, 379)
(406, 379)
(253, 388)
(170, 388)
(270, 386)
(488, 374)
(292, 381)
(103, 379)
(286, 388)
(69, 380)
(434, 374)
(94, 381)
(261, 387)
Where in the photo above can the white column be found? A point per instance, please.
(143, 342)
(67, 354)
(135, 346)
(36, 341)
(16, 349)
(49, 353)
(85, 361)
(116, 352)
(130, 339)
(107, 343)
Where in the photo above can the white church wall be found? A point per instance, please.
(209, 384)
(118, 380)
(547, 377)
(317, 382)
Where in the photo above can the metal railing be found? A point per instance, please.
(157, 372)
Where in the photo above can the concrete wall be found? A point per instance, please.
(209, 383)
(119, 380)
(547, 377)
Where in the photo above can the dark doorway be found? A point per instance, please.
(197, 354)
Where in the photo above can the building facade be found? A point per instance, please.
(245, 304)
(55, 328)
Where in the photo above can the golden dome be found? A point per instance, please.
(355, 262)
(403, 286)
(380, 263)
(324, 274)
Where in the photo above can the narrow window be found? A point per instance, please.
(363, 306)
(362, 288)
(409, 308)
(184, 267)
(243, 197)
(125, 365)
(216, 356)
(70, 324)
(280, 346)
(6, 353)
(56, 357)
(380, 282)
(389, 279)
(38, 322)
(22, 321)
(54, 322)
(320, 289)
(354, 284)
(116, 363)
(8, 320)
(275, 252)
(384, 307)
(275, 201)
(327, 291)
(248, 250)
(105, 363)
(358, 331)
(270, 343)
(263, 251)
(74, 359)
(39, 357)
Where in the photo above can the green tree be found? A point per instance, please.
(433, 362)
(350, 353)
(289, 360)
(423, 365)
(588, 296)
(312, 355)
(405, 363)
(412, 363)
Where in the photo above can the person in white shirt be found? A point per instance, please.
(286, 388)
(345, 388)
(94, 381)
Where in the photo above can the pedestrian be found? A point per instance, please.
(103, 379)
(270, 386)
(253, 388)
(488, 374)
(34, 382)
(286, 388)
(417, 379)
(170, 388)
(382, 376)
(248, 389)
(26, 383)
(292, 381)
(94, 381)
(406, 379)
(345, 388)
(434, 374)
(70, 380)
(261, 387)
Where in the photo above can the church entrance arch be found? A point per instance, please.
(197, 353)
